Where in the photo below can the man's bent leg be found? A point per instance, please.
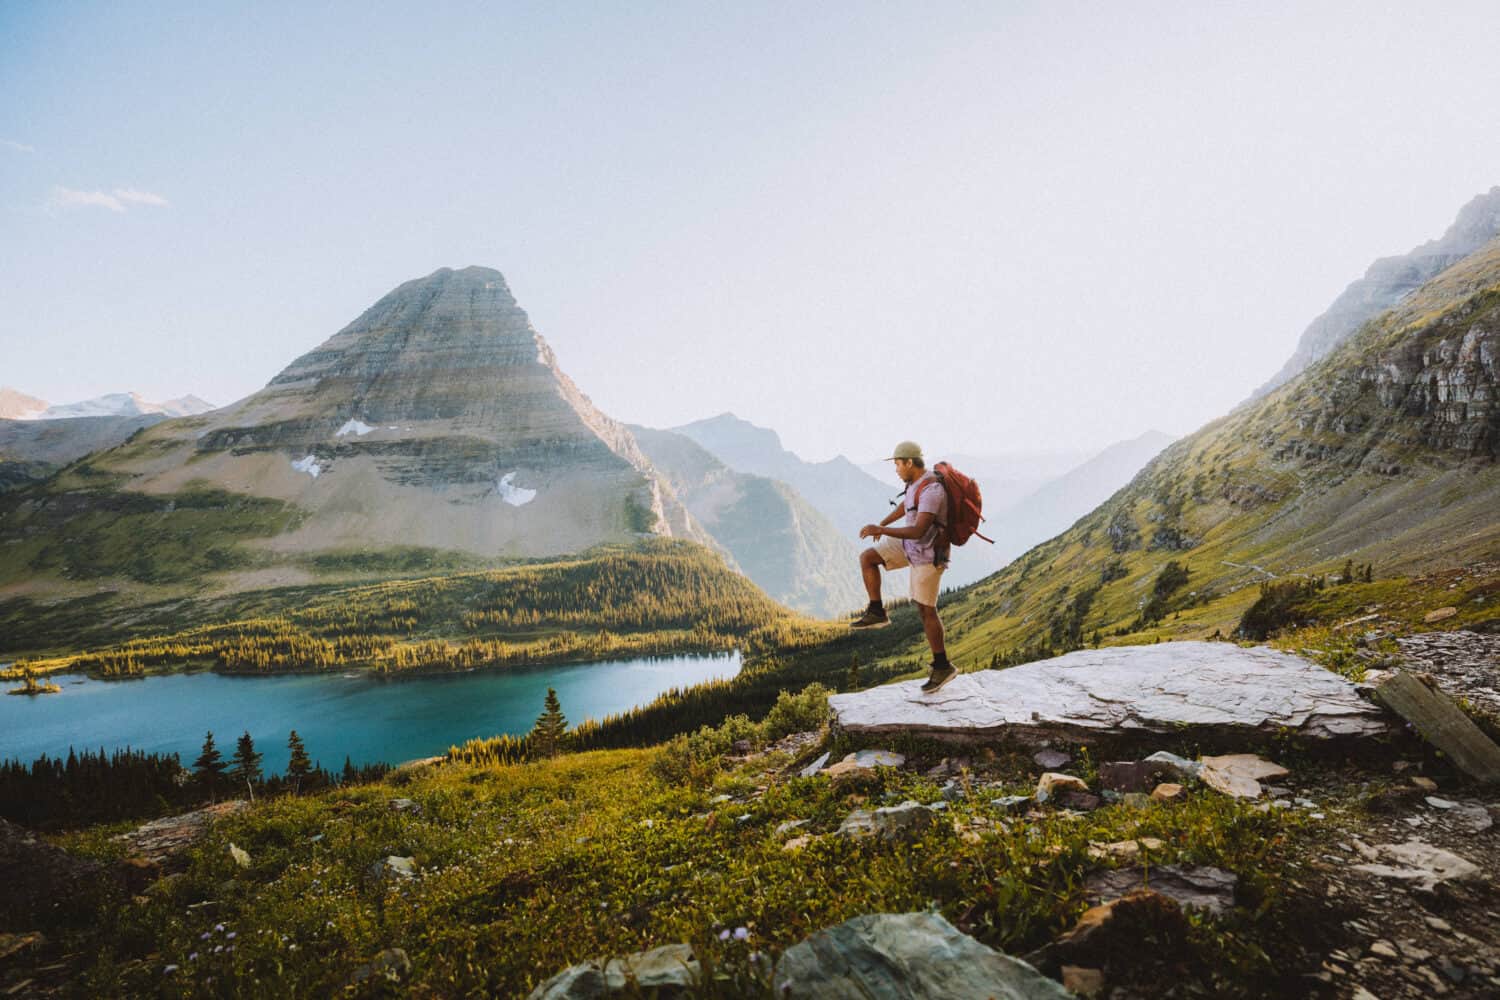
(870, 565)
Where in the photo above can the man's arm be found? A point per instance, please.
(917, 530)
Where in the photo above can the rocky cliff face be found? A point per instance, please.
(789, 549)
(1390, 280)
(1413, 381)
(439, 418)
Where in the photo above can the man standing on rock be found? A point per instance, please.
(915, 544)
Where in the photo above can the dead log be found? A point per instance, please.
(1442, 723)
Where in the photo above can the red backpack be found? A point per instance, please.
(964, 508)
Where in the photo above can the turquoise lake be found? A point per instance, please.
(351, 714)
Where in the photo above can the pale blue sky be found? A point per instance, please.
(991, 227)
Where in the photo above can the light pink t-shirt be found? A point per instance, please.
(923, 551)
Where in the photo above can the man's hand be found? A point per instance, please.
(871, 531)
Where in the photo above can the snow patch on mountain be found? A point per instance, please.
(308, 465)
(354, 427)
(516, 496)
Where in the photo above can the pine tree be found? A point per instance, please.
(209, 767)
(246, 763)
(550, 726)
(350, 774)
(300, 765)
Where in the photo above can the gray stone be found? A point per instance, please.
(1182, 768)
(1203, 888)
(1052, 784)
(907, 821)
(814, 767)
(406, 806)
(394, 867)
(1051, 760)
(901, 956)
(1012, 803)
(1239, 774)
(1188, 689)
(1422, 865)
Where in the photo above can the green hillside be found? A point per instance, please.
(1382, 453)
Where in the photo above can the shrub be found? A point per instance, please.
(797, 713)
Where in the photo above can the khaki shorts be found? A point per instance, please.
(924, 579)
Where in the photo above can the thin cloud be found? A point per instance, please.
(134, 197)
(116, 200)
(19, 147)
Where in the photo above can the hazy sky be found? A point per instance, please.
(991, 227)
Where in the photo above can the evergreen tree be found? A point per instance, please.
(246, 763)
(350, 775)
(208, 768)
(550, 726)
(300, 765)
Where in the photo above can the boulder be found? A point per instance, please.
(165, 841)
(406, 806)
(864, 762)
(1051, 760)
(1133, 775)
(814, 767)
(1192, 690)
(1182, 769)
(889, 955)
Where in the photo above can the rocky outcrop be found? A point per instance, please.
(1199, 690)
(1388, 281)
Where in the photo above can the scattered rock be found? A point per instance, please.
(1082, 982)
(904, 822)
(1425, 784)
(406, 806)
(1421, 864)
(1052, 784)
(814, 767)
(394, 867)
(670, 970)
(392, 965)
(1124, 850)
(797, 843)
(1051, 760)
(1131, 775)
(1441, 614)
(1080, 801)
(789, 826)
(905, 955)
(1168, 792)
(865, 761)
(1239, 774)
(1012, 803)
(1384, 949)
(1181, 768)
(1202, 887)
(241, 857)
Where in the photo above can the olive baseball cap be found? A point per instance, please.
(906, 449)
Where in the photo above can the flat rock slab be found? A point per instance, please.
(1184, 688)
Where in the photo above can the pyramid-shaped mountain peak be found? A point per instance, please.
(439, 417)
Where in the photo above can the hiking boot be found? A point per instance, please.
(938, 677)
(872, 618)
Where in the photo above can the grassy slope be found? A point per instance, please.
(1315, 473)
(528, 868)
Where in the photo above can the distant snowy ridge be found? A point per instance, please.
(121, 404)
